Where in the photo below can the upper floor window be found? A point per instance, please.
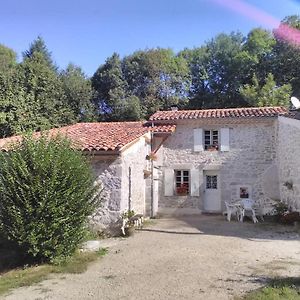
(211, 139)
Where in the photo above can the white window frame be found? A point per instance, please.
(182, 180)
(211, 139)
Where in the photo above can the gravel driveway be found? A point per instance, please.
(190, 258)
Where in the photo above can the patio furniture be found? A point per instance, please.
(233, 208)
(136, 221)
(248, 205)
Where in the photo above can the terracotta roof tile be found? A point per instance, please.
(100, 136)
(161, 128)
(252, 112)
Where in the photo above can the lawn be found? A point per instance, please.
(29, 275)
(277, 289)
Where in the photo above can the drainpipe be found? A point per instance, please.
(152, 174)
(129, 188)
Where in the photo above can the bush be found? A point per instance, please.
(47, 191)
(280, 208)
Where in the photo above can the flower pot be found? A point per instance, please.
(182, 194)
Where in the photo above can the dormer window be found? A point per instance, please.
(211, 139)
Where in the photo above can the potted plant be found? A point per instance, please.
(128, 226)
(214, 147)
(182, 190)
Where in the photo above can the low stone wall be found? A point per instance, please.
(289, 161)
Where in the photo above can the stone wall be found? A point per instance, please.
(252, 154)
(108, 171)
(289, 161)
(123, 184)
(133, 193)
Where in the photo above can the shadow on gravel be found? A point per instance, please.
(218, 226)
(171, 232)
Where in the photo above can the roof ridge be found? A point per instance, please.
(236, 112)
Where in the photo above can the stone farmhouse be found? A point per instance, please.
(190, 161)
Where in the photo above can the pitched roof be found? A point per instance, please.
(252, 112)
(111, 136)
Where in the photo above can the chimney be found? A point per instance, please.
(174, 107)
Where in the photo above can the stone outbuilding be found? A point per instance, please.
(119, 154)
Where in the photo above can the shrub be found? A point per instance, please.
(280, 208)
(47, 190)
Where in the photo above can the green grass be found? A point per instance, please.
(16, 278)
(278, 289)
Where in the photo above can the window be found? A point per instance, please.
(244, 192)
(211, 139)
(182, 182)
(212, 182)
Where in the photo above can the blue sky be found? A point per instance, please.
(86, 32)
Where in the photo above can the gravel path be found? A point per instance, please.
(191, 258)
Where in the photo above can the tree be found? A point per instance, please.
(79, 92)
(15, 103)
(199, 92)
(227, 69)
(47, 191)
(48, 103)
(286, 54)
(259, 45)
(158, 78)
(39, 46)
(111, 88)
(269, 94)
(8, 59)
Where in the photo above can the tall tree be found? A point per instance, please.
(286, 54)
(227, 69)
(8, 59)
(259, 45)
(79, 93)
(268, 94)
(111, 88)
(48, 106)
(158, 78)
(199, 92)
(39, 46)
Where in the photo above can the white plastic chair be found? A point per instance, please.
(248, 205)
(233, 208)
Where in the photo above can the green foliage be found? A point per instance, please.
(230, 70)
(78, 92)
(112, 96)
(128, 214)
(286, 57)
(39, 46)
(8, 58)
(46, 193)
(277, 289)
(267, 95)
(280, 208)
(48, 105)
(158, 78)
